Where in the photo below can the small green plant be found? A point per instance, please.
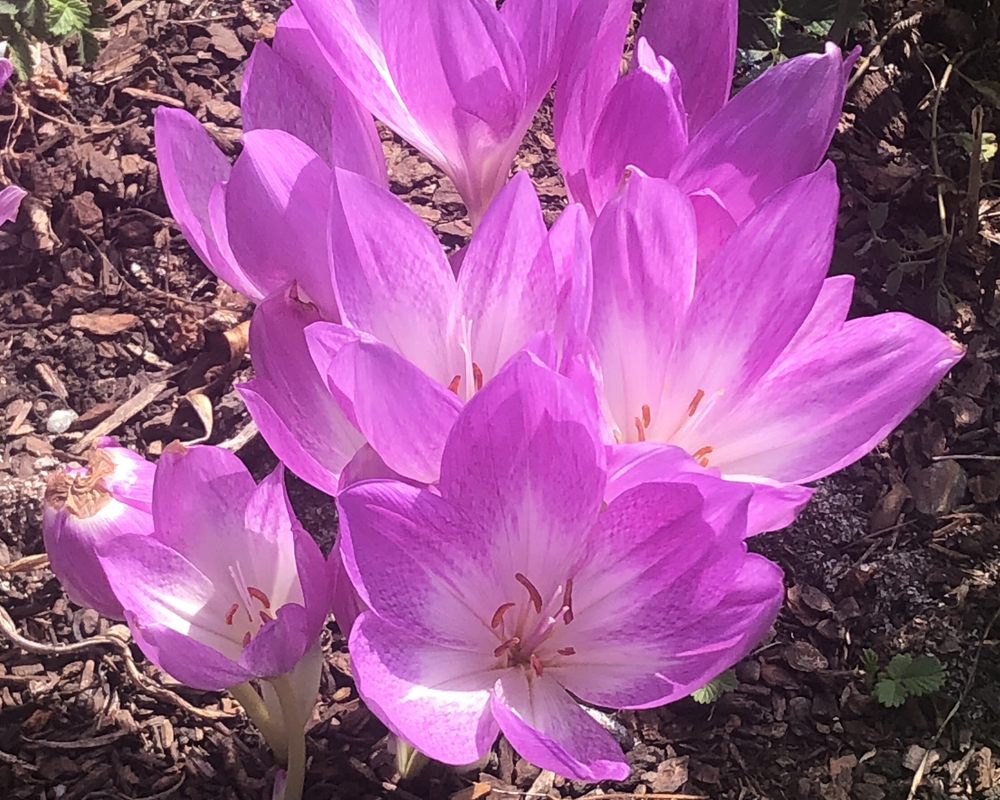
(716, 687)
(906, 676)
(51, 21)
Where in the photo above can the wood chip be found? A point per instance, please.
(124, 413)
(142, 94)
(20, 409)
(53, 381)
(103, 324)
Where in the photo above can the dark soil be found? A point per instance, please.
(105, 312)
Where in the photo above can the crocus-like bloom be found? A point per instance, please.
(230, 587)
(10, 196)
(87, 507)
(671, 115)
(746, 361)
(498, 600)
(415, 341)
(458, 79)
(261, 222)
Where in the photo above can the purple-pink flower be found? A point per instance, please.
(747, 360)
(10, 196)
(498, 600)
(458, 79)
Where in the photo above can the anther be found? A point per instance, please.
(257, 594)
(455, 382)
(498, 614)
(640, 430)
(265, 617)
(232, 613)
(246, 638)
(503, 648)
(698, 455)
(477, 376)
(647, 417)
(693, 407)
(567, 602)
(536, 665)
(566, 651)
(536, 598)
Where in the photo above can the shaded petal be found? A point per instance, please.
(715, 224)
(276, 213)
(547, 727)
(775, 130)
(345, 601)
(6, 70)
(540, 28)
(390, 399)
(775, 507)
(190, 167)
(699, 38)
(587, 71)
(302, 422)
(569, 243)
(645, 252)
(10, 203)
(281, 643)
(825, 406)
(433, 697)
(828, 312)
(643, 125)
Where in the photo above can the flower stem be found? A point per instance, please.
(295, 731)
(271, 729)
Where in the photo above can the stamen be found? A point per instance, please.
(455, 382)
(566, 651)
(536, 665)
(567, 602)
(640, 429)
(498, 614)
(693, 407)
(265, 617)
(246, 638)
(477, 376)
(699, 454)
(503, 648)
(536, 598)
(232, 613)
(257, 594)
(647, 417)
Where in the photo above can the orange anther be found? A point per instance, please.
(646, 416)
(455, 382)
(498, 614)
(640, 429)
(257, 594)
(477, 376)
(536, 598)
(232, 613)
(693, 407)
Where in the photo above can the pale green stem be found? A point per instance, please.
(409, 761)
(295, 729)
(271, 729)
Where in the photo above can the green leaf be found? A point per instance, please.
(716, 687)
(917, 676)
(19, 54)
(66, 17)
(890, 693)
(8, 8)
(869, 658)
(878, 213)
(988, 89)
(987, 148)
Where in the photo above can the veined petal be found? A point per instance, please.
(10, 202)
(540, 28)
(775, 130)
(276, 213)
(436, 698)
(548, 728)
(588, 69)
(824, 406)
(304, 424)
(393, 280)
(569, 244)
(699, 38)
(715, 224)
(643, 124)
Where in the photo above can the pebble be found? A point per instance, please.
(60, 420)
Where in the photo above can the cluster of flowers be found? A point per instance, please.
(548, 449)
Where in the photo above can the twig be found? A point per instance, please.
(919, 774)
(122, 414)
(966, 457)
(975, 175)
(127, 9)
(864, 63)
(946, 232)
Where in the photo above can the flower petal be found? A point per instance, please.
(276, 214)
(345, 601)
(433, 697)
(824, 406)
(302, 422)
(10, 202)
(699, 38)
(547, 727)
(775, 130)
(828, 312)
(540, 28)
(281, 643)
(643, 124)
(775, 507)
(569, 243)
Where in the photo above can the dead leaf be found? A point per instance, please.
(202, 406)
(103, 323)
(805, 657)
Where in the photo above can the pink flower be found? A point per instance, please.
(496, 601)
(458, 79)
(88, 507)
(10, 196)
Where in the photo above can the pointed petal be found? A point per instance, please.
(433, 697)
(390, 399)
(828, 312)
(540, 28)
(191, 166)
(775, 507)
(6, 70)
(775, 130)
(547, 727)
(715, 224)
(699, 38)
(276, 213)
(644, 248)
(643, 124)
(825, 406)
(280, 643)
(302, 422)
(10, 203)
(393, 280)
(569, 243)
(587, 71)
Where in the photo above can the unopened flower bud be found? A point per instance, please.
(88, 506)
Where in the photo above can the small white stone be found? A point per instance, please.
(59, 421)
